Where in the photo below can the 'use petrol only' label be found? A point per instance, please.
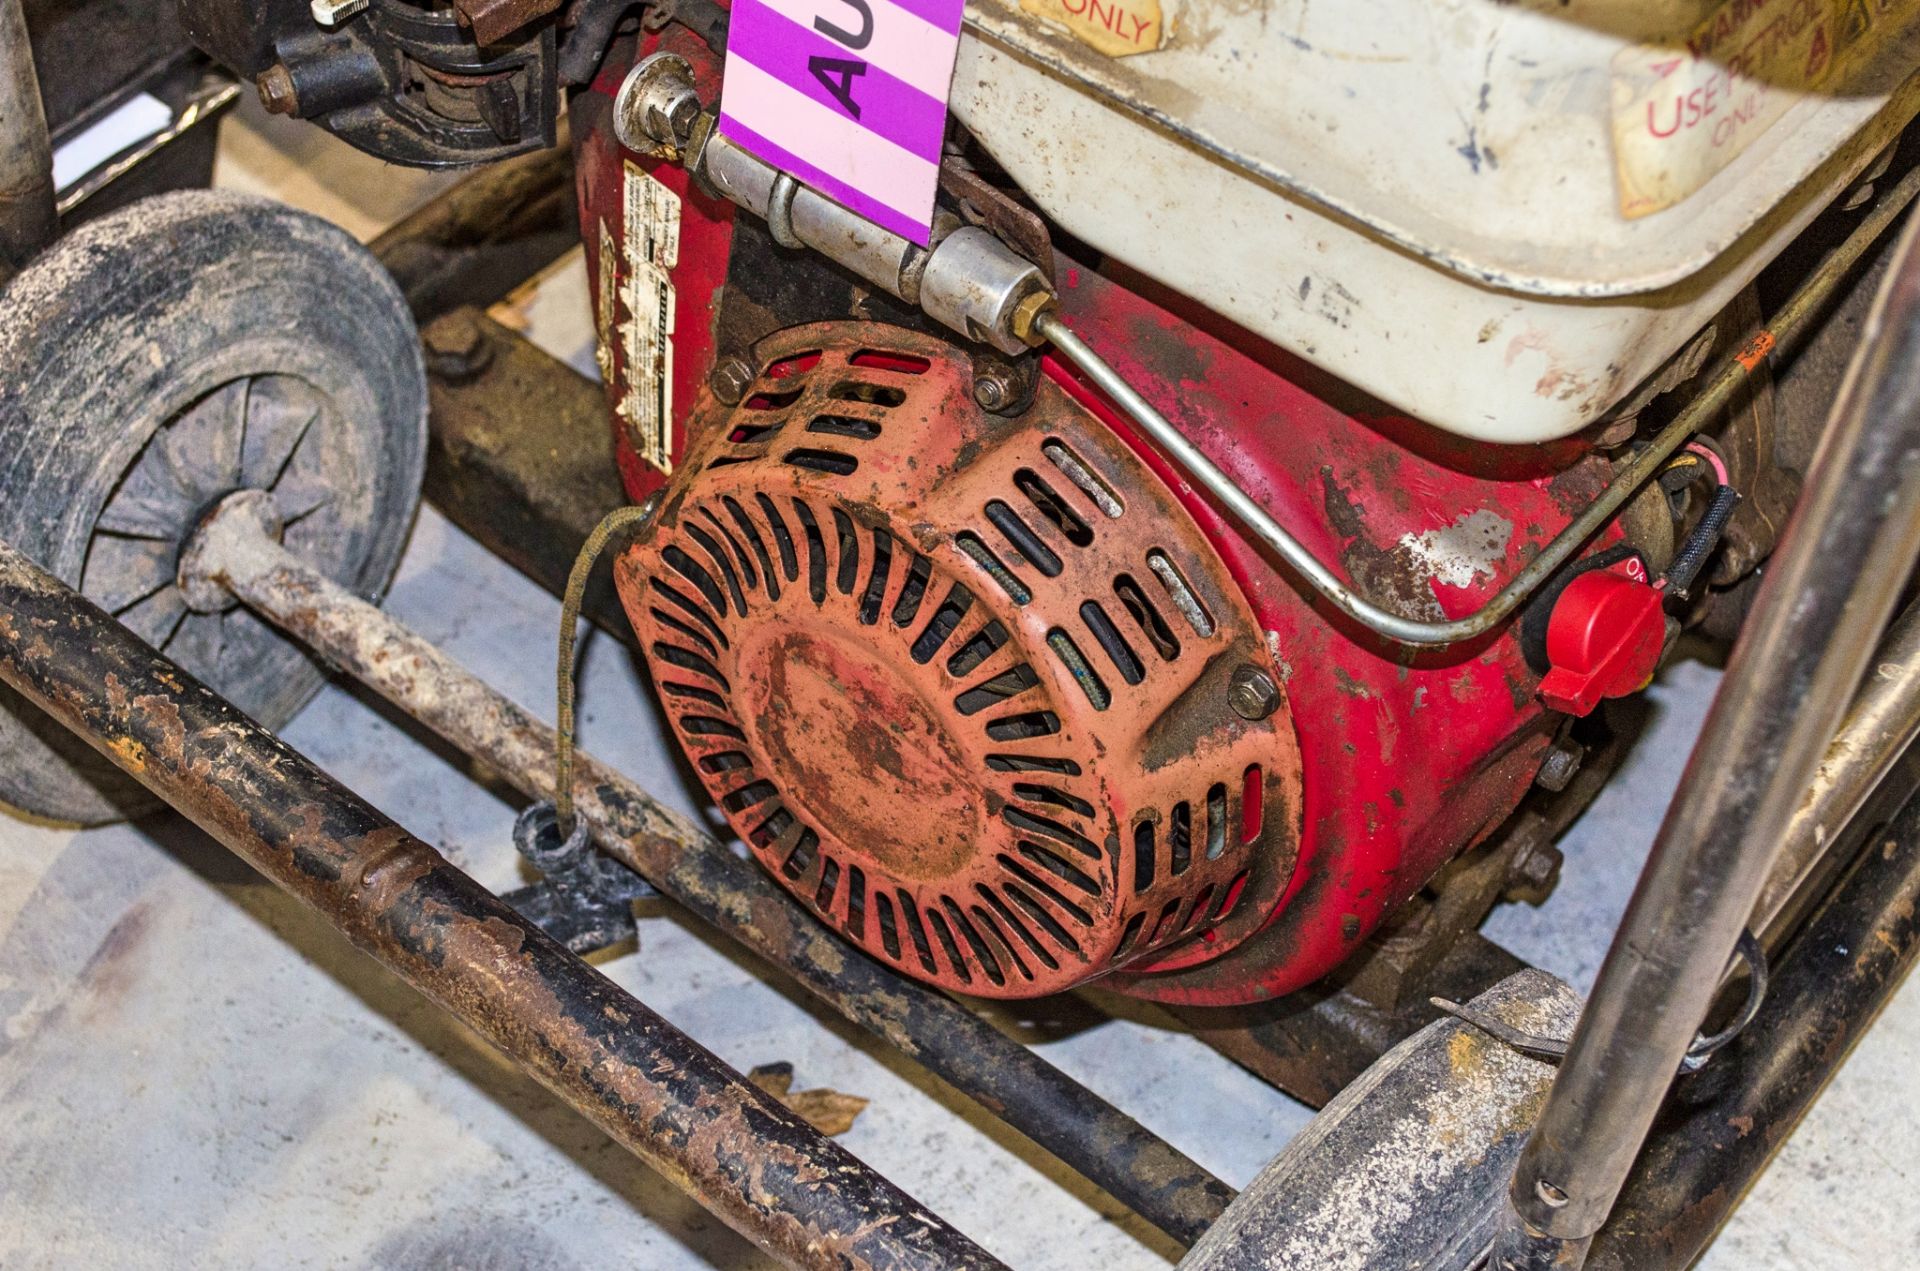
(850, 96)
(1685, 109)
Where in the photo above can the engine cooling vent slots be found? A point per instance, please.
(961, 682)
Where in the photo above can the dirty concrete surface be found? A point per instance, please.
(196, 1072)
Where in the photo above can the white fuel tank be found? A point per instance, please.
(1499, 216)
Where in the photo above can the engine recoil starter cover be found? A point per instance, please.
(974, 689)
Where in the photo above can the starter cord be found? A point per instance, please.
(610, 524)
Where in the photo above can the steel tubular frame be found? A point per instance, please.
(234, 548)
(1841, 969)
(758, 1166)
(1879, 727)
(1843, 563)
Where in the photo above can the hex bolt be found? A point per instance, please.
(680, 118)
(656, 106)
(1252, 693)
(1534, 873)
(275, 86)
(993, 387)
(456, 348)
(1558, 768)
(1002, 387)
(1026, 315)
(731, 377)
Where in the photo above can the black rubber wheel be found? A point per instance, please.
(156, 360)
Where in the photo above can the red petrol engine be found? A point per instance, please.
(995, 692)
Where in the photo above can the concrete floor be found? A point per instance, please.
(194, 1072)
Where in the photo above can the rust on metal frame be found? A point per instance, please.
(494, 20)
(756, 1165)
(1110, 1148)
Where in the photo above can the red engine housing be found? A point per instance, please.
(1406, 759)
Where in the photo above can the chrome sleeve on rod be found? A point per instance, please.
(1787, 328)
(1822, 607)
(1880, 725)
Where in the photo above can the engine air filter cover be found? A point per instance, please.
(963, 682)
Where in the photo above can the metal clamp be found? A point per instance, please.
(583, 899)
(780, 211)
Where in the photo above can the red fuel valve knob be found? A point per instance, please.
(1603, 638)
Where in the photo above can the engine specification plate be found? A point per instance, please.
(643, 284)
(850, 96)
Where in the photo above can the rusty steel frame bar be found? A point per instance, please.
(235, 549)
(1673, 1187)
(520, 455)
(758, 1166)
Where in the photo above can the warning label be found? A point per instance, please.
(652, 240)
(1683, 112)
(1114, 27)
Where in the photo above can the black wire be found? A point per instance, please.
(1693, 554)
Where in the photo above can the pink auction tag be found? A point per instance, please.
(850, 96)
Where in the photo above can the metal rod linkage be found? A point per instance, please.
(755, 1164)
(1788, 327)
(28, 217)
(1821, 609)
(236, 549)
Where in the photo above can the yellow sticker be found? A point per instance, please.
(1114, 27)
(1683, 112)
